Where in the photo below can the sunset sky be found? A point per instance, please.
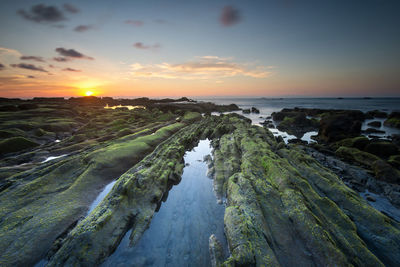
(199, 48)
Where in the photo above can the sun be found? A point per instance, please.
(89, 93)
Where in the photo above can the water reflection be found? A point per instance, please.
(178, 234)
(121, 106)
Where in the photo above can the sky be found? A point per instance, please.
(127, 48)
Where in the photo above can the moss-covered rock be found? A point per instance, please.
(285, 209)
(15, 144)
(356, 155)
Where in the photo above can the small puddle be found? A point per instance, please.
(101, 196)
(53, 157)
(307, 137)
(178, 233)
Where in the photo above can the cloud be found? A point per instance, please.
(72, 70)
(137, 23)
(83, 28)
(9, 51)
(140, 45)
(70, 8)
(208, 67)
(30, 77)
(61, 59)
(34, 58)
(229, 16)
(28, 67)
(42, 13)
(2, 67)
(71, 53)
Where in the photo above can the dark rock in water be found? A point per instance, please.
(393, 120)
(383, 171)
(216, 252)
(338, 127)
(268, 124)
(279, 139)
(255, 110)
(246, 111)
(382, 149)
(376, 124)
(370, 198)
(295, 123)
(376, 114)
(297, 141)
(372, 130)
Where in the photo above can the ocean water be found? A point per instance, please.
(269, 105)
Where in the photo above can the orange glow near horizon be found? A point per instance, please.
(88, 93)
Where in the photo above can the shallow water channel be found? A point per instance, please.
(178, 233)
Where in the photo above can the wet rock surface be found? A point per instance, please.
(286, 204)
(284, 208)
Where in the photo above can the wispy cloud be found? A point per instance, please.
(28, 67)
(83, 28)
(34, 58)
(229, 16)
(71, 53)
(61, 59)
(140, 45)
(9, 51)
(72, 70)
(70, 8)
(137, 23)
(207, 67)
(42, 13)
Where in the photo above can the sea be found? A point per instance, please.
(269, 105)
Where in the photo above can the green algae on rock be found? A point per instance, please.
(284, 208)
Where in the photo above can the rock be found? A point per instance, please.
(376, 114)
(376, 124)
(385, 172)
(373, 130)
(16, 144)
(297, 141)
(246, 111)
(338, 127)
(370, 198)
(355, 155)
(296, 123)
(255, 110)
(281, 200)
(393, 120)
(394, 161)
(27, 106)
(382, 149)
(216, 251)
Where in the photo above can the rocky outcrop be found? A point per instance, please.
(393, 120)
(337, 127)
(216, 252)
(285, 209)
